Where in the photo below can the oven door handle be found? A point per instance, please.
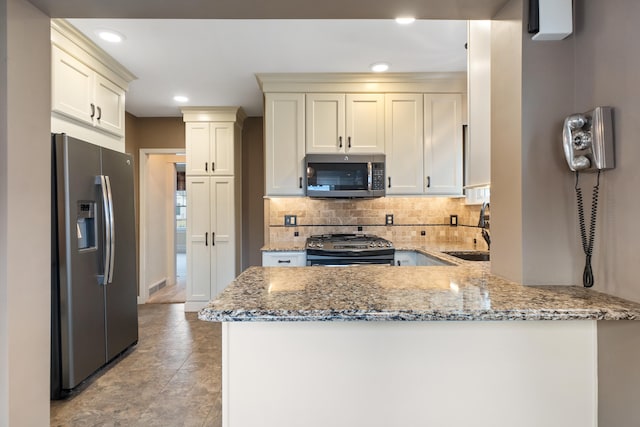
(369, 177)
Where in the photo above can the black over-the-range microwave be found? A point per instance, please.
(345, 175)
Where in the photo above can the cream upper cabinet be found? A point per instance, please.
(344, 123)
(404, 143)
(478, 152)
(82, 94)
(87, 89)
(210, 148)
(443, 144)
(284, 144)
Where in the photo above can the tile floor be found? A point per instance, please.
(171, 378)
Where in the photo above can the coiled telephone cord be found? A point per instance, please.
(587, 243)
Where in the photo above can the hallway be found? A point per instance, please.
(171, 378)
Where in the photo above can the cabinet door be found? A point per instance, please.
(223, 251)
(72, 87)
(365, 123)
(221, 149)
(197, 145)
(284, 144)
(478, 143)
(404, 143)
(284, 259)
(109, 101)
(325, 114)
(198, 239)
(443, 144)
(405, 258)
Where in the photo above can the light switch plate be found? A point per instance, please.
(290, 220)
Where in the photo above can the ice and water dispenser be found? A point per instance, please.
(86, 225)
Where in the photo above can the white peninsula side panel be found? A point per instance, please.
(381, 374)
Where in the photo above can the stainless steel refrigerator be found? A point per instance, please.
(94, 315)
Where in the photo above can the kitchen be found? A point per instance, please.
(532, 211)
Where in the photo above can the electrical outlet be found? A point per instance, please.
(296, 234)
(423, 233)
(359, 228)
(453, 220)
(290, 220)
(389, 219)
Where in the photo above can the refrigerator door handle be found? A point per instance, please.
(112, 223)
(102, 182)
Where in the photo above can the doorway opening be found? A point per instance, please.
(163, 220)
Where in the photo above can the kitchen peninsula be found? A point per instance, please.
(411, 346)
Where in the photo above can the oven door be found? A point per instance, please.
(345, 261)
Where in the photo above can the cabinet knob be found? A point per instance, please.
(206, 239)
(93, 110)
(340, 141)
(206, 167)
(300, 184)
(389, 178)
(284, 261)
(349, 142)
(213, 166)
(213, 238)
(99, 113)
(428, 182)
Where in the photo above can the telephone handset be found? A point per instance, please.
(588, 147)
(588, 140)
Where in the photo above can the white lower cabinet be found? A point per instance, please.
(211, 251)
(284, 259)
(414, 258)
(405, 258)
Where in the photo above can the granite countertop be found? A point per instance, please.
(466, 291)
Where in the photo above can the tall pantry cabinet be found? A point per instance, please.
(213, 144)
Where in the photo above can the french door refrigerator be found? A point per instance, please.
(94, 315)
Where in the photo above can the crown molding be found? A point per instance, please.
(363, 82)
(213, 114)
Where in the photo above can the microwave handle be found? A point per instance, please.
(369, 177)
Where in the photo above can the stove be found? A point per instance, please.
(348, 249)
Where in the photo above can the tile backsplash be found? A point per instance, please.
(411, 216)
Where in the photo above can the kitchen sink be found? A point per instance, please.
(470, 255)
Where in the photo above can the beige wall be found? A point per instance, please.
(532, 199)
(25, 223)
(607, 68)
(506, 151)
(252, 191)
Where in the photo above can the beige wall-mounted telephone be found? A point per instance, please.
(588, 140)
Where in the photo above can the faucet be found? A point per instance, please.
(483, 223)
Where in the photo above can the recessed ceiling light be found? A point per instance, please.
(379, 67)
(110, 36)
(180, 98)
(405, 20)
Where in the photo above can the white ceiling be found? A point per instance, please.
(214, 62)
